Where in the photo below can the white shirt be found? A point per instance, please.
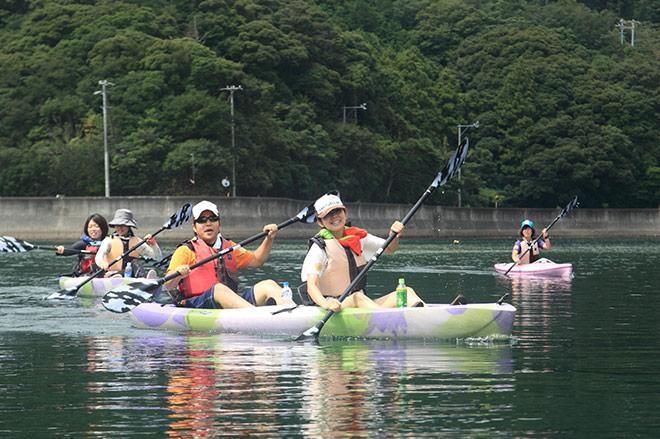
(316, 260)
(145, 250)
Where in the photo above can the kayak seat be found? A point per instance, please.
(303, 296)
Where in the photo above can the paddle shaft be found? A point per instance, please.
(70, 250)
(534, 242)
(115, 260)
(374, 258)
(223, 252)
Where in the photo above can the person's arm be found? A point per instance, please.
(78, 245)
(396, 227)
(101, 259)
(547, 245)
(315, 294)
(515, 252)
(260, 255)
(150, 249)
(312, 269)
(180, 262)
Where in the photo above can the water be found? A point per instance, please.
(582, 360)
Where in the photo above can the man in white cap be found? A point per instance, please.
(336, 255)
(215, 284)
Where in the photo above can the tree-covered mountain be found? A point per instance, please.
(563, 107)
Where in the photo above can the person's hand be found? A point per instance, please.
(103, 265)
(271, 229)
(544, 233)
(150, 240)
(332, 304)
(183, 270)
(59, 249)
(397, 227)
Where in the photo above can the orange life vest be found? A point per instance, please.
(220, 270)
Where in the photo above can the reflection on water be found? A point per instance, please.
(582, 361)
(233, 385)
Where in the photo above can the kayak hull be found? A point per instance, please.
(432, 321)
(542, 267)
(97, 287)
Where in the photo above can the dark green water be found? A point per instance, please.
(583, 360)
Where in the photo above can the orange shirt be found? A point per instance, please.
(184, 256)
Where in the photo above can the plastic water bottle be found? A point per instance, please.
(128, 271)
(287, 294)
(401, 294)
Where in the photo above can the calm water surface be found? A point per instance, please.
(582, 362)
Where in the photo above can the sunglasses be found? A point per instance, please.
(204, 219)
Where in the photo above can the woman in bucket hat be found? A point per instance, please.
(337, 253)
(527, 232)
(120, 241)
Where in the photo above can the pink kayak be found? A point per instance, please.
(542, 267)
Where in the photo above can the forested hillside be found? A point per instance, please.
(563, 106)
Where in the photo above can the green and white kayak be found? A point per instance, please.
(434, 321)
(97, 287)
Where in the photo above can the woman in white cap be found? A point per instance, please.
(120, 241)
(336, 255)
(520, 254)
(215, 284)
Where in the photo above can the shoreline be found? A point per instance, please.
(61, 218)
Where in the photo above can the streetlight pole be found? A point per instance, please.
(106, 156)
(460, 132)
(363, 106)
(231, 89)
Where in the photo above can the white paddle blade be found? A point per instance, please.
(180, 216)
(126, 297)
(69, 294)
(9, 244)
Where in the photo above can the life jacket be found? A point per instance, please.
(86, 261)
(343, 266)
(222, 270)
(120, 245)
(532, 255)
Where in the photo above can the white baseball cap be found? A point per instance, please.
(326, 204)
(202, 206)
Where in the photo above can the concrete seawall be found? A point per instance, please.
(48, 218)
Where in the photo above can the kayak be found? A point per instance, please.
(433, 321)
(97, 286)
(542, 267)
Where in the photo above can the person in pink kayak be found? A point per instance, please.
(528, 241)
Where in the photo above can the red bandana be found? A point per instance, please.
(351, 239)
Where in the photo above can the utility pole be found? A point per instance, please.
(622, 25)
(363, 106)
(231, 89)
(192, 163)
(106, 156)
(460, 132)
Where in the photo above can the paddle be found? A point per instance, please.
(179, 217)
(9, 244)
(126, 297)
(570, 206)
(452, 166)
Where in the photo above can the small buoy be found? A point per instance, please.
(456, 241)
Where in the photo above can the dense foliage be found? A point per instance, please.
(564, 108)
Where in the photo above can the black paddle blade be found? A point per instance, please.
(570, 206)
(126, 297)
(453, 164)
(66, 294)
(311, 334)
(9, 244)
(180, 216)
